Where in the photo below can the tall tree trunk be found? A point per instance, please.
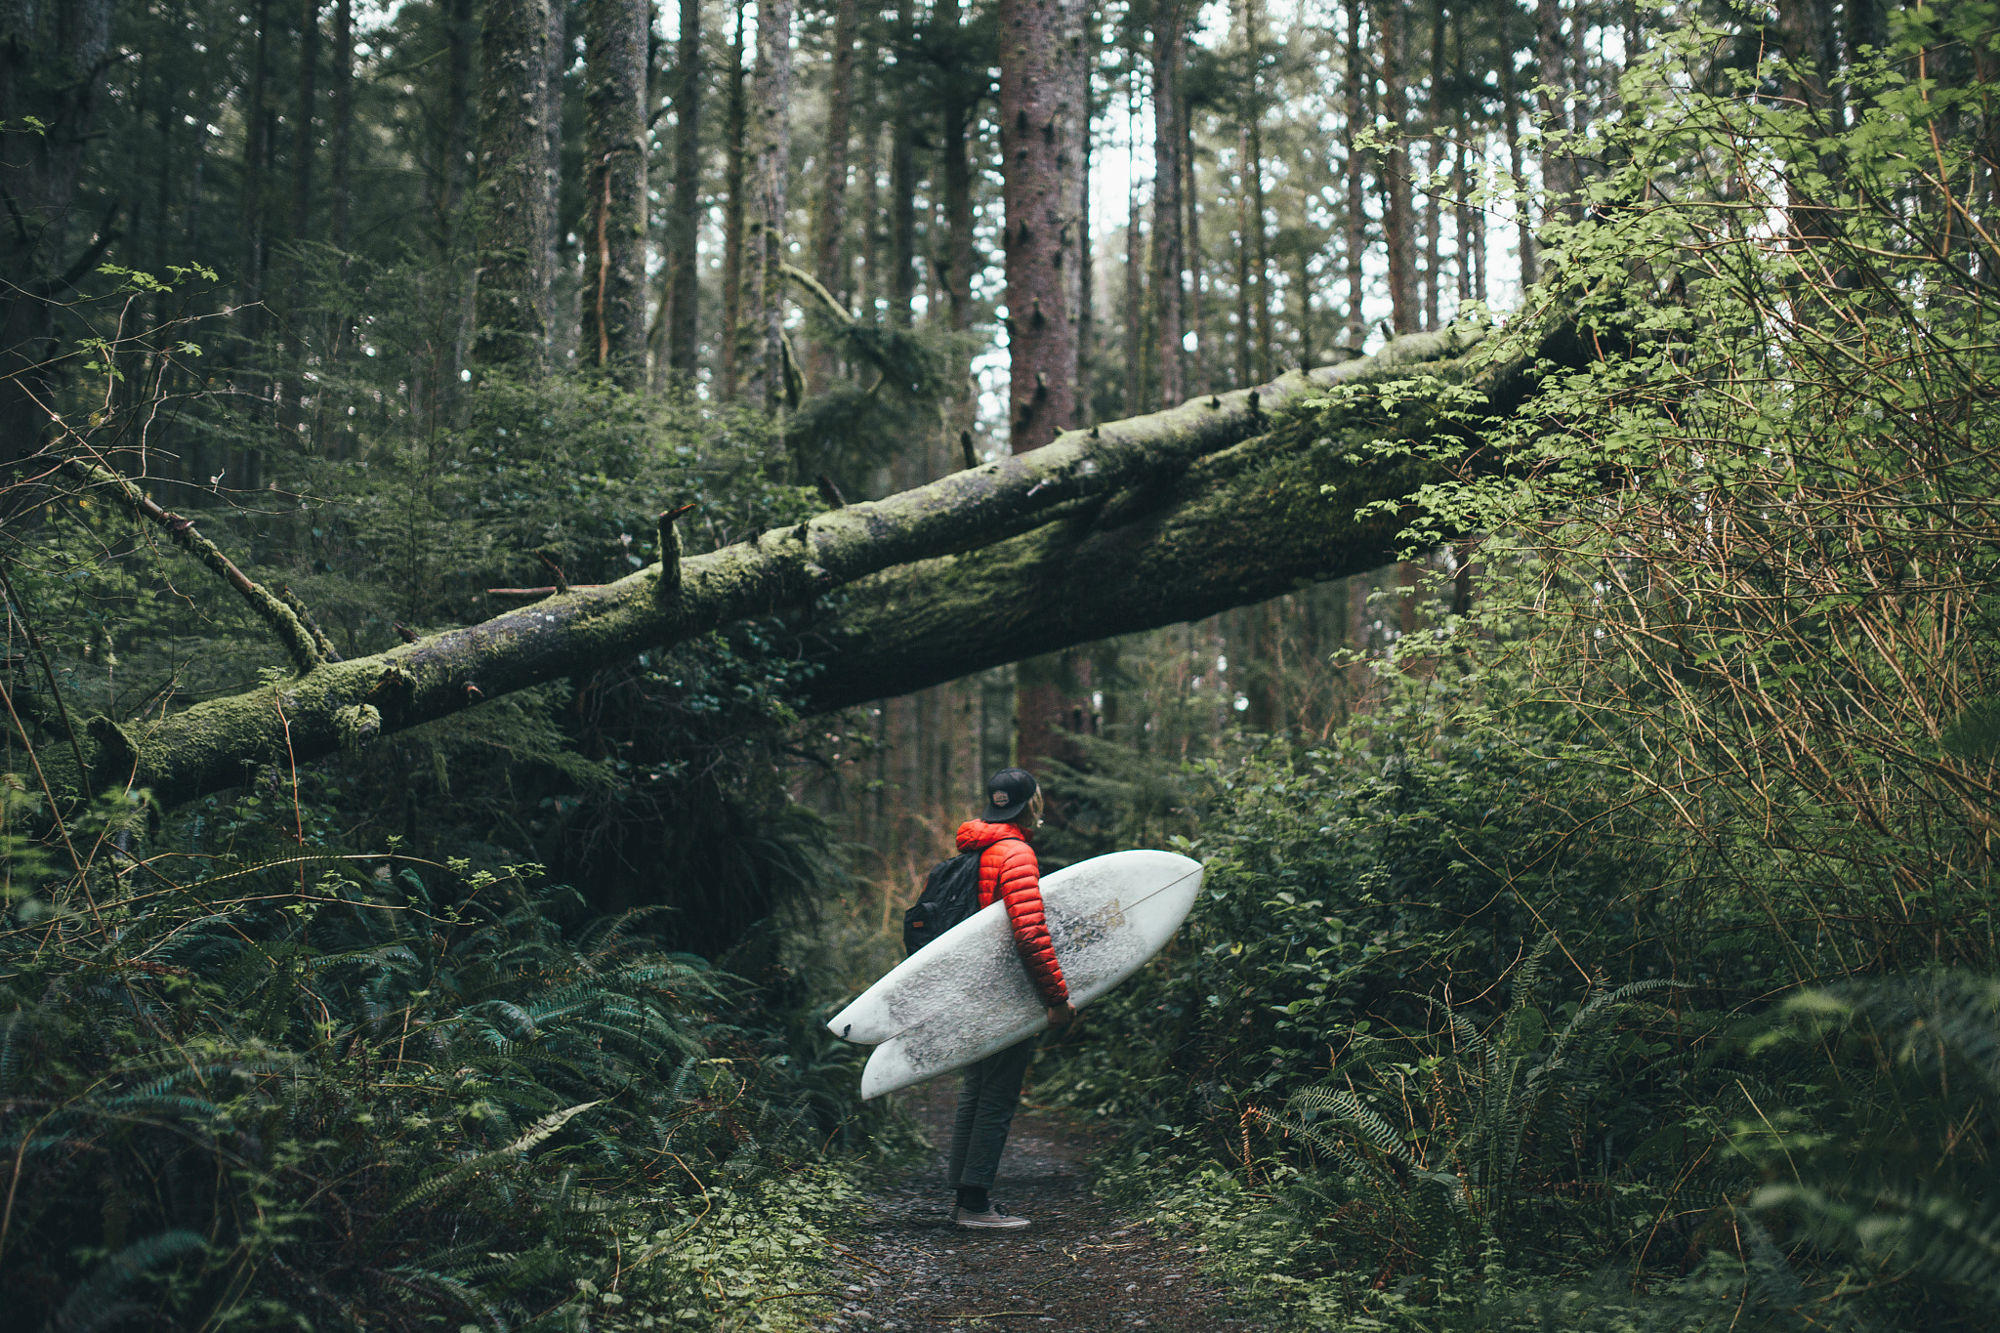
(735, 214)
(959, 261)
(1398, 222)
(1168, 258)
(772, 101)
(830, 223)
(1434, 144)
(1359, 88)
(304, 150)
(1086, 260)
(868, 250)
(258, 131)
(1041, 115)
(1552, 58)
(1252, 246)
(1510, 127)
(682, 314)
(614, 302)
(1135, 260)
(903, 177)
(51, 65)
(829, 230)
(462, 36)
(559, 313)
(1198, 379)
(515, 210)
(340, 134)
(303, 137)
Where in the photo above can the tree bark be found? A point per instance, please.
(614, 298)
(516, 214)
(303, 137)
(1040, 121)
(340, 134)
(1398, 220)
(903, 177)
(829, 231)
(1559, 178)
(1197, 378)
(1168, 260)
(1142, 523)
(684, 221)
(956, 111)
(51, 60)
(735, 212)
(1359, 87)
(772, 101)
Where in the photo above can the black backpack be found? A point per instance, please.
(951, 894)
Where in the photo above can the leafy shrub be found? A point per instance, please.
(346, 1091)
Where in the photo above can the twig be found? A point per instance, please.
(298, 641)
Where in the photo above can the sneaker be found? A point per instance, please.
(992, 1218)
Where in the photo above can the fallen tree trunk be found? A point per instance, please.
(1140, 523)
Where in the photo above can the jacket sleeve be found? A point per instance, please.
(1020, 887)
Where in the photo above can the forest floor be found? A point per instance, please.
(1080, 1266)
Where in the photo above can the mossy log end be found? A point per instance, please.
(1133, 524)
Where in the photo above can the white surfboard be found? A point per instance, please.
(966, 995)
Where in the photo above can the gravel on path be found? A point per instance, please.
(1079, 1267)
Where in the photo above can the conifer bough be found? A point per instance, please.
(1138, 523)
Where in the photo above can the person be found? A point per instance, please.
(991, 1088)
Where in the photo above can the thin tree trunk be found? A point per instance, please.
(1552, 58)
(1358, 102)
(772, 100)
(1086, 263)
(959, 260)
(515, 208)
(291, 407)
(1168, 259)
(1135, 262)
(1197, 360)
(829, 233)
(303, 137)
(902, 178)
(1398, 223)
(1510, 126)
(256, 162)
(830, 224)
(684, 219)
(340, 134)
(51, 63)
(735, 214)
(559, 314)
(1434, 169)
(868, 286)
(454, 156)
(614, 305)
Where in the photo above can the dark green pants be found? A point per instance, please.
(986, 1099)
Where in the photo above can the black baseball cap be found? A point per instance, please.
(1007, 795)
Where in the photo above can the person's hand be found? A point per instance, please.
(1061, 1015)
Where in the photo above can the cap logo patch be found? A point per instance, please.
(1001, 798)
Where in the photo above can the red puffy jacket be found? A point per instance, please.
(1008, 871)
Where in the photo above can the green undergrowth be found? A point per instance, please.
(344, 1091)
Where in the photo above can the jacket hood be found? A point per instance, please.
(975, 834)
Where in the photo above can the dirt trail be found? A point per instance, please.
(1080, 1267)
